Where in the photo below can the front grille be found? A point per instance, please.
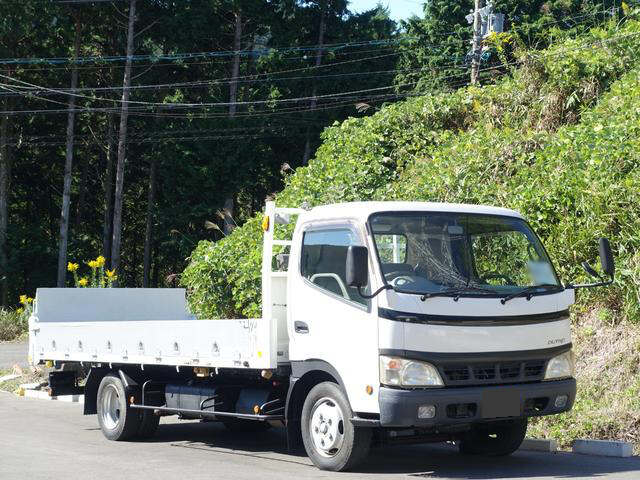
(534, 368)
(485, 373)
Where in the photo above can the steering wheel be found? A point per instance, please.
(393, 275)
(402, 281)
(492, 276)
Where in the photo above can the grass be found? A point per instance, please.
(13, 326)
(10, 385)
(608, 372)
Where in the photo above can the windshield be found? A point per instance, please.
(432, 252)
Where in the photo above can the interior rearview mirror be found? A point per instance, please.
(606, 258)
(357, 266)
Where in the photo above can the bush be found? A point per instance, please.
(13, 324)
(532, 142)
(574, 185)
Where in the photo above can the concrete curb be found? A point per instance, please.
(539, 445)
(603, 448)
(41, 395)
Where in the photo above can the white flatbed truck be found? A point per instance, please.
(388, 322)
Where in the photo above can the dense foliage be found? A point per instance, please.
(212, 120)
(203, 155)
(437, 48)
(557, 141)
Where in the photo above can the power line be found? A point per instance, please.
(195, 55)
(188, 64)
(208, 83)
(165, 105)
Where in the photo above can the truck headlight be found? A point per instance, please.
(400, 372)
(561, 366)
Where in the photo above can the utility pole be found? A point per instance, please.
(122, 144)
(477, 41)
(314, 101)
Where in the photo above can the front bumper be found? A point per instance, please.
(463, 405)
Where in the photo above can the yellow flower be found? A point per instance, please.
(83, 282)
(23, 299)
(100, 261)
(29, 299)
(72, 267)
(93, 263)
(19, 310)
(111, 274)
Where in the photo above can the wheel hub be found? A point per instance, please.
(110, 407)
(327, 427)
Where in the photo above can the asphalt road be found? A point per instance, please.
(50, 440)
(12, 353)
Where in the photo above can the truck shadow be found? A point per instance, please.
(421, 461)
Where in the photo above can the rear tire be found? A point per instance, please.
(494, 439)
(330, 439)
(117, 420)
(148, 425)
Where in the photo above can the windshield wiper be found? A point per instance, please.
(528, 291)
(455, 291)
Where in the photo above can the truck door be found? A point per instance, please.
(331, 322)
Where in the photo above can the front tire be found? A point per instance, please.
(117, 420)
(494, 439)
(330, 439)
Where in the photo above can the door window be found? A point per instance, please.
(324, 255)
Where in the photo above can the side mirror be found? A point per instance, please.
(606, 258)
(607, 264)
(357, 266)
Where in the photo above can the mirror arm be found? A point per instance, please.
(374, 294)
(588, 285)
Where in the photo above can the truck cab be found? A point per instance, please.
(457, 327)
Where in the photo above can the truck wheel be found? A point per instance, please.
(330, 439)
(148, 425)
(494, 439)
(117, 420)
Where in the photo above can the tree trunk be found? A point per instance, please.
(229, 223)
(82, 190)
(68, 164)
(107, 229)
(314, 101)
(148, 237)
(235, 67)
(122, 140)
(5, 181)
(156, 269)
(233, 95)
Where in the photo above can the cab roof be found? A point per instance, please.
(362, 210)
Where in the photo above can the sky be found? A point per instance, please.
(400, 9)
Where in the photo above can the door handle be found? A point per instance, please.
(300, 327)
